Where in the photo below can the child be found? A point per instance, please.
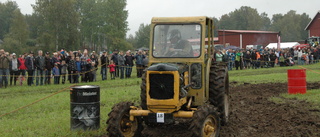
(112, 68)
(56, 73)
(63, 71)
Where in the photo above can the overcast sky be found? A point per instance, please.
(141, 11)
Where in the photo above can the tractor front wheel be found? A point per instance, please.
(205, 122)
(119, 124)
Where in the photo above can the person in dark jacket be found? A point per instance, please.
(83, 69)
(78, 72)
(88, 74)
(72, 68)
(139, 63)
(104, 65)
(4, 68)
(47, 68)
(254, 59)
(129, 63)
(39, 64)
(30, 67)
(121, 63)
(14, 69)
(114, 58)
(247, 59)
(273, 58)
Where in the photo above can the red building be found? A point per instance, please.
(314, 26)
(242, 38)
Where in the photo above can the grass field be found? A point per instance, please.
(51, 117)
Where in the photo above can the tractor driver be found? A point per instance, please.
(178, 47)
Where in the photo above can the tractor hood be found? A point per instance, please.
(169, 67)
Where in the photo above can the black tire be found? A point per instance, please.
(219, 89)
(143, 94)
(205, 122)
(119, 124)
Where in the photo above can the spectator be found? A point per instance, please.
(4, 68)
(145, 61)
(64, 67)
(83, 70)
(93, 72)
(88, 75)
(121, 63)
(30, 67)
(219, 56)
(254, 59)
(40, 66)
(56, 73)
(95, 61)
(139, 63)
(300, 62)
(231, 56)
(112, 70)
(14, 69)
(47, 68)
(247, 59)
(85, 55)
(237, 60)
(273, 58)
(78, 67)
(72, 69)
(281, 60)
(129, 63)
(104, 63)
(22, 69)
(114, 58)
(225, 57)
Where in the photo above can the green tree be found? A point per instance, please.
(6, 14)
(142, 36)
(60, 20)
(18, 32)
(103, 23)
(291, 25)
(117, 25)
(245, 18)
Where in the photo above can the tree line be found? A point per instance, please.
(70, 24)
(291, 25)
(102, 25)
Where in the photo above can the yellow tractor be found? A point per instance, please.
(182, 81)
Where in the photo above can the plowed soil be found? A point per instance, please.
(253, 114)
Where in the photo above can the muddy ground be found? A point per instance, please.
(254, 115)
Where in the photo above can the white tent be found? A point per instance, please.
(283, 45)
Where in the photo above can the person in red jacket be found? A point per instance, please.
(22, 69)
(112, 69)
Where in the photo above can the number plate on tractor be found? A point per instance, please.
(160, 118)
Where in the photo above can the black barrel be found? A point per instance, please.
(85, 107)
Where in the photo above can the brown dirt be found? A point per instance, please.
(253, 114)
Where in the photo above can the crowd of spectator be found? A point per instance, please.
(266, 58)
(77, 66)
(62, 66)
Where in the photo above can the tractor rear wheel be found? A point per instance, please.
(205, 122)
(119, 124)
(219, 89)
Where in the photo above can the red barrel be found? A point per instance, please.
(297, 81)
